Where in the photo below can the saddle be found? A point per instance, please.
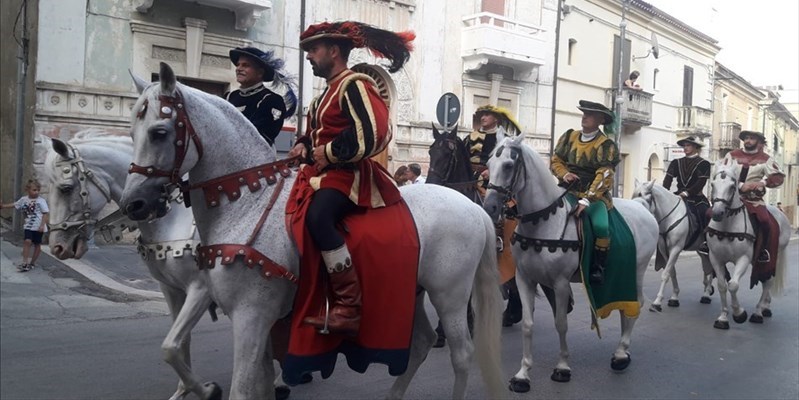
(384, 246)
(697, 222)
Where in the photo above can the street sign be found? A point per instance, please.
(448, 110)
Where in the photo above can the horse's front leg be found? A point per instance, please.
(720, 267)
(253, 376)
(667, 273)
(176, 346)
(520, 383)
(562, 372)
(741, 267)
(707, 279)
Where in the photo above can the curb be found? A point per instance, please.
(102, 279)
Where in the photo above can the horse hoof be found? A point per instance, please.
(656, 307)
(740, 319)
(519, 385)
(674, 303)
(767, 312)
(306, 378)
(705, 300)
(282, 392)
(561, 375)
(756, 319)
(620, 364)
(721, 324)
(213, 390)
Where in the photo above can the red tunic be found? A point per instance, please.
(351, 121)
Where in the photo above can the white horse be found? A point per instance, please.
(178, 130)
(731, 238)
(672, 217)
(87, 173)
(517, 171)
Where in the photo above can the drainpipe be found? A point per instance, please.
(19, 137)
(555, 79)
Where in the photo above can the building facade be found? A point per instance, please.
(676, 99)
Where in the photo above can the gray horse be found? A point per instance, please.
(178, 130)
(517, 171)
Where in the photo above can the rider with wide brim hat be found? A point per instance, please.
(691, 174)
(263, 107)
(690, 140)
(758, 135)
(585, 163)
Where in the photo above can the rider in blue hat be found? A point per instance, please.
(264, 108)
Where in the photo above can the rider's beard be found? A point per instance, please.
(750, 148)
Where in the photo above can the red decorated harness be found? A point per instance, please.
(229, 184)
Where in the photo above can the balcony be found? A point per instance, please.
(692, 120)
(246, 11)
(637, 107)
(488, 37)
(728, 137)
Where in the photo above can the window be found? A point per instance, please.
(688, 86)
(655, 78)
(572, 43)
(212, 87)
(625, 65)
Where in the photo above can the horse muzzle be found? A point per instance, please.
(493, 205)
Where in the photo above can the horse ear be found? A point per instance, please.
(167, 78)
(140, 83)
(519, 139)
(637, 182)
(61, 148)
(436, 133)
(454, 131)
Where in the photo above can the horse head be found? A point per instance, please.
(644, 193)
(447, 154)
(166, 146)
(505, 166)
(77, 196)
(724, 190)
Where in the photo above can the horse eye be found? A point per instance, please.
(451, 145)
(158, 132)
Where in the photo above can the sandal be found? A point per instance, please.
(23, 268)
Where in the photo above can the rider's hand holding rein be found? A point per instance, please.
(570, 177)
(320, 158)
(299, 149)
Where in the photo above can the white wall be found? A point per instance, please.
(62, 41)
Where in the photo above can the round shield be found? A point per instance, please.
(448, 110)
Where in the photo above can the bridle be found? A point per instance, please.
(518, 163)
(68, 169)
(452, 165)
(172, 106)
(229, 185)
(728, 202)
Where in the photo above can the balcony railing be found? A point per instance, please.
(246, 11)
(488, 37)
(728, 135)
(637, 106)
(692, 120)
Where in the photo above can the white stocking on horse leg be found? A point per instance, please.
(562, 371)
(741, 267)
(175, 346)
(521, 381)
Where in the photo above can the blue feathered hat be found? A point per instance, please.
(273, 71)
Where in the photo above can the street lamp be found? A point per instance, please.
(619, 96)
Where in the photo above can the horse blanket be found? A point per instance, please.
(384, 246)
(619, 290)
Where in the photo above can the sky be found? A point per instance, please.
(759, 39)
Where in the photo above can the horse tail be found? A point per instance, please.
(779, 273)
(487, 306)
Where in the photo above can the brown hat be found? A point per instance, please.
(590, 106)
(394, 46)
(689, 140)
(759, 135)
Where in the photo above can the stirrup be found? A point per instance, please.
(324, 330)
(500, 244)
(703, 249)
(765, 259)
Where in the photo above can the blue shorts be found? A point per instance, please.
(34, 236)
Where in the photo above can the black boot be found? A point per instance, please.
(513, 312)
(596, 274)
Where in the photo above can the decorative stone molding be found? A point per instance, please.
(83, 105)
(246, 11)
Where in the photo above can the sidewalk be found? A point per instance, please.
(116, 267)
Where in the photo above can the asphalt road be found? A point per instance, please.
(64, 337)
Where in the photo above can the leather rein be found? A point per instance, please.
(537, 216)
(745, 235)
(229, 184)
